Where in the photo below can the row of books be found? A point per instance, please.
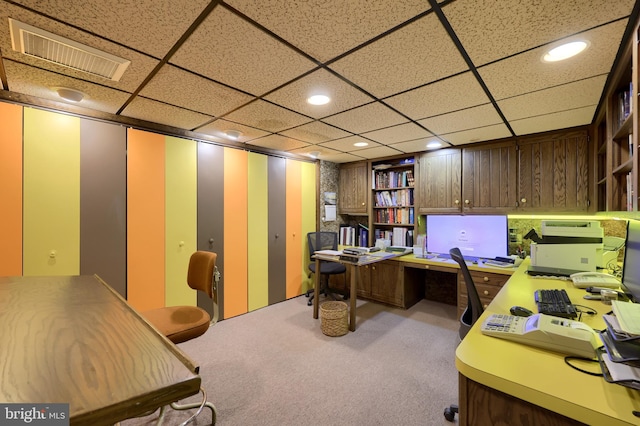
(630, 191)
(625, 104)
(402, 215)
(400, 197)
(397, 236)
(350, 236)
(393, 179)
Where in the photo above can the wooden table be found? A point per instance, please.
(75, 340)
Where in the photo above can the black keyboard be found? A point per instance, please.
(556, 303)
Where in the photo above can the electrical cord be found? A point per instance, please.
(584, 309)
(567, 360)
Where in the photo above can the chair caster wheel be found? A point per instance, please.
(450, 413)
(310, 302)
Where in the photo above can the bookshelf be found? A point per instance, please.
(616, 133)
(393, 204)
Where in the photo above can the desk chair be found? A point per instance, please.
(323, 241)
(470, 315)
(182, 323)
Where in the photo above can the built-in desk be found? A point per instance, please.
(503, 382)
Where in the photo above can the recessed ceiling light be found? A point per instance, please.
(68, 94)
(434, 144)
(318, 99)
(361, 144)
(314, 154)
(565, 51)
(233, 134)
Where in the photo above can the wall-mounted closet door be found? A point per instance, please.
(103, 192)
(145, 219)
(258, 231)
(11, 189)
(294, 236)
(180, 218)
(211, 214)
(277, 242)
(309, 190)
(235, 232)
(51, 227)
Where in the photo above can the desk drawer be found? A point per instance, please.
(487, 284)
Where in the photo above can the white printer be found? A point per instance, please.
(571, 244)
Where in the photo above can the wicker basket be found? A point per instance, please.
(333, 318)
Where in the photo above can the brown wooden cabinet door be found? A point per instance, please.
(363, 284)
(489, 182)
(438, 189)
(554, 172)
(385, 283)
(353, 189)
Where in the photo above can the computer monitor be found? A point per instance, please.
(631, 262)
(477, 236)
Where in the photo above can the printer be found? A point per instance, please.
(571, 244)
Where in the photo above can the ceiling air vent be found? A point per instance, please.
(42, 44)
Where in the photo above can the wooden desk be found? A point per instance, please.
(74, 340)
(522, 382)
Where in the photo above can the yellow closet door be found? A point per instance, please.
(235, 232)
(258, 227)
(309, 213)
(51, 193)
(181, 218)
(294, 228)
(11, 189)
(145, 219)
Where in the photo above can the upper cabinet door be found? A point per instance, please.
(554, 172)
(489, 182)
(353, 189)
(438, 189)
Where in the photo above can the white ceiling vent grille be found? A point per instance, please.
(42, 44)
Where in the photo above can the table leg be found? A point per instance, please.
(352, 297)
(316, 289)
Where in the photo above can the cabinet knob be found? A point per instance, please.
(456, 202)
(523, 200)
(373, 268)
(426, 266)
(466, 201)
(486, 292)
(485, 306)
(363, 203)
(485, 279)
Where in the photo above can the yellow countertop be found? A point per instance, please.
(538, 376)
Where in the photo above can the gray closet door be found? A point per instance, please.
(277, 230)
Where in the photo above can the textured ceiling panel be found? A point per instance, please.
(315, 132)
(493, 29)
(157, 112)
(219, 128)
(400, 133)
(480, 116)
(558, 120)
(265, 116)
(481, 134)
(365, 118)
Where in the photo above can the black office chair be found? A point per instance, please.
(323, 241)
(470, 315)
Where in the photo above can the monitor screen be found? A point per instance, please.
(631, 263)
(477, 236)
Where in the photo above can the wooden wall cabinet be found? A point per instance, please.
(439, 188)
(553, 172)
(489, 181)
(353, 188)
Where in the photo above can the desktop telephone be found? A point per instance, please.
(544, 331)
(588, 279)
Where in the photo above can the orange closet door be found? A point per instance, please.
(235, 232)
(11, 189)
(145, 219)
(294, 228)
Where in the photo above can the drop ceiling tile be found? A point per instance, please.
(315, 132)
(279, 143)
(369, 117)
(377, 152)
(41, 83)
(455, 93)
(520, 25)
(265, 116)
(497, 131)
(395, 134)
(229, 50)
(526, 72)
(219, 127)
(341, 158)
(343, 95)
(419, 53)
(181, 88)
(479, 116)
(141, 65)
(417, 145)
(158, 112)
(556, 99)
(323, 152)
(346, 144)
(558, 120)
(351, 22)
(150, 26)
